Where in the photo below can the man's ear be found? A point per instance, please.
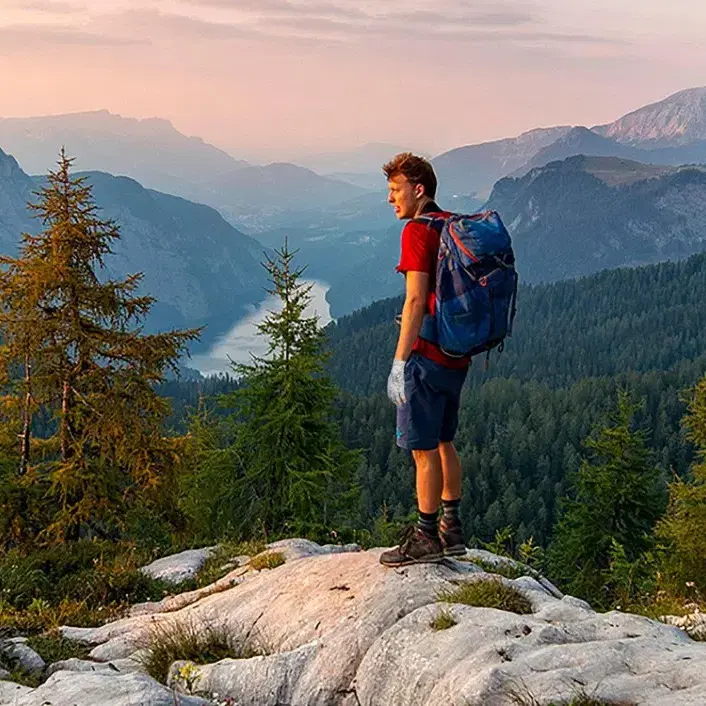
(419, 190)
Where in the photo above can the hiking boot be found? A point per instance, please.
(415, 548)
(452, 539)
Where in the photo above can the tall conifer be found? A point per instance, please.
(73, 343)
(297, 476)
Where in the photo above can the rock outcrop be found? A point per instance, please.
(178, 568)
(331, 627)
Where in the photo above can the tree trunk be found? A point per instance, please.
(66, 409)
(27, 429)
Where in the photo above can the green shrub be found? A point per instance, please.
(20, 580)
(490, 593)
(52, 647)
(81, 583)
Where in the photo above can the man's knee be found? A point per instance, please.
(425, 456)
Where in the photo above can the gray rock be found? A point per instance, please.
(18, 653)
(10, 693)
(177, 568)
(489, 655)
(84, 665)
(66, 688)
(339, 629)
(80, 635)
(4, 674)
(694, 623)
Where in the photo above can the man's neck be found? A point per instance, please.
(424, 206)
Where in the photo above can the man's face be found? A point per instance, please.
(404, 196)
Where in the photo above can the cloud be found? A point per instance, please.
(320, 22)
(23, 36)
(267, 8)
(433, 19)
(55, 7)
(157, 24)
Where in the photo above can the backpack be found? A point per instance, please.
(476, 285)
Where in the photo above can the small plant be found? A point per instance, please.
(52, 647)
(532, 554)
(213, 568)
(30, 679)
(267, 560)
(188, 674)
(506, 569)
(520, 695)
(185, 640)
(490, 593)
(443, 620)
(502, 543)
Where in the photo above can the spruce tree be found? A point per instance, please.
(74, 345)
(294, 473)
(617, 499)
(682, 531)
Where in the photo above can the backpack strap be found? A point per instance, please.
(435, 222)
(428, 328)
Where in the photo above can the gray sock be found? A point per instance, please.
(428, 523)
(451, 510)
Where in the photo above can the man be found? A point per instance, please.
(424, 383)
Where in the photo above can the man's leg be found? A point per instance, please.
(450, 470)
(429, 479)
(418, 428)
(450, 526)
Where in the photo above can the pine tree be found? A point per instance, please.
(682, 531)
(297, 476)
(617, 500)
(74, 345)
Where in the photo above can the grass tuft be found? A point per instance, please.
(267, 560)
(491, 593)
(216, 566)
(202, 643)
(524, 697)
(443, 620)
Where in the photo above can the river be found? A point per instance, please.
(244, 339)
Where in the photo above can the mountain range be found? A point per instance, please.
(672, 131)
(569, 216)
(153, 152)
(584, 214)
(200, 269)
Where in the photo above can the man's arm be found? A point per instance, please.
(416, 291)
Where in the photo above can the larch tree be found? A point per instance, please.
(73, 344)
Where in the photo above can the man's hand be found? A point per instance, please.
(395, 383)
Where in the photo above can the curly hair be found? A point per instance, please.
(417, 170)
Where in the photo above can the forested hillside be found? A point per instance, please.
(524, 421)
(640, 319)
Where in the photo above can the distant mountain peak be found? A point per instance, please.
(676, 120)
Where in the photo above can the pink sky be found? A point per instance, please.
(277, 78)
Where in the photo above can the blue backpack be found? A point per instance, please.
(476, 285)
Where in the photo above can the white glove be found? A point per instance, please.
(395, 383)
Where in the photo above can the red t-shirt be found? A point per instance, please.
(419, 252)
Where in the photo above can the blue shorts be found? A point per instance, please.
(430, 414)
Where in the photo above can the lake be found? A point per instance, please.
(244, 339)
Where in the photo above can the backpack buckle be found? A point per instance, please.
(483, 281)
